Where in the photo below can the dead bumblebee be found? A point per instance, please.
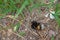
(35, 25)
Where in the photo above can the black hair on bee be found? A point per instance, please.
(35, 25)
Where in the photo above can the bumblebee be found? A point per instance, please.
(35, 25)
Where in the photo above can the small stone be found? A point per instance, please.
(47, 15)
(42, 25)
(52, 17)
(25, 29)
(30, 37)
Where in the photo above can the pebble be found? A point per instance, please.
(52, 17)
(30, 37)
(25, 29)
(42, 25)
(46, 15)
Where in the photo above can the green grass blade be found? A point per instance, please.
(57, 18)
(16, 27)
(22, 33)
(22, 7)
(52, 38)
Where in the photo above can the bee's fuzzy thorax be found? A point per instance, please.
(35, 25)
